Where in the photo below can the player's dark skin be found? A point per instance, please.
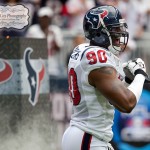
(106, 81)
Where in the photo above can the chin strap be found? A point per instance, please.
(113, 50)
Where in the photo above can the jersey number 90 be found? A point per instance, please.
(92, 56)
(73, 87)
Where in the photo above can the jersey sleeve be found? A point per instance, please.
(96, 57)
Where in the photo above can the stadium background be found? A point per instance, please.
(39, 127)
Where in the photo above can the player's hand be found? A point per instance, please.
(136, 64)
(134, 67)
(129, 77)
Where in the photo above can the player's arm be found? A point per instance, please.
(106, 81)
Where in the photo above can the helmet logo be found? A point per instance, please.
(95, 15)
(104, 14)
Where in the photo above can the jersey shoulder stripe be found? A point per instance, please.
(85, 51)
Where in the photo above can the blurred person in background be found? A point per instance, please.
(132, 131)
(37, 5)
(64, 14)
(134, 11)
(147, 4)
(77, 40)
(99, 2)
(56, 6)
(53, 34)
(76, 10)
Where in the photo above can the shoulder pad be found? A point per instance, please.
(96, 57)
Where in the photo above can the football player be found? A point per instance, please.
(97, 82)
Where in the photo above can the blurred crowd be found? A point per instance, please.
(68, 14)
(49, 19)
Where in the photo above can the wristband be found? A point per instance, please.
(140, 71)
(137, 86)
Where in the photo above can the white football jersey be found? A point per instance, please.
(92, 112)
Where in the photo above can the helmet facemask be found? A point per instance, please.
(118, 37)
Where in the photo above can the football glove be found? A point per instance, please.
(134, 67)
